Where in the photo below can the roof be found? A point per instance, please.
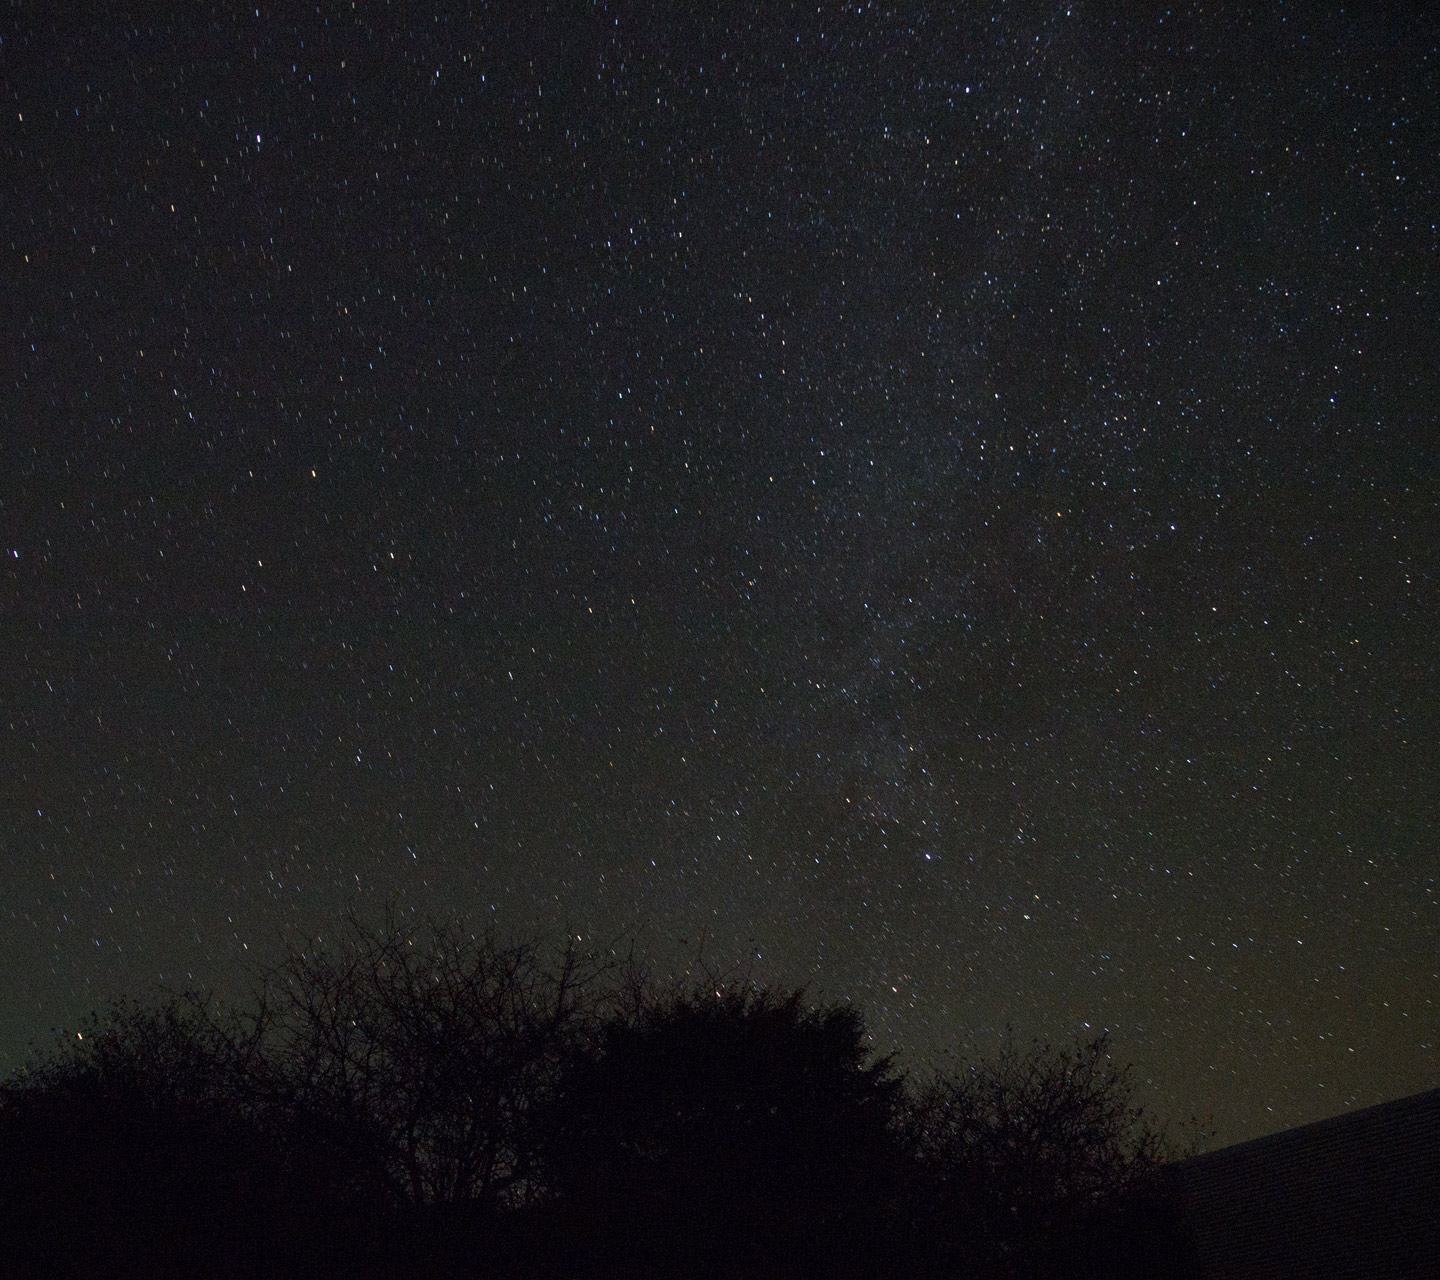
(1356, 1195)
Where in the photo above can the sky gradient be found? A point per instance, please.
(936, 505)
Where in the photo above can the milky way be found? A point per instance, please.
(939, 509)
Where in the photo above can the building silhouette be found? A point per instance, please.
(1357, 1195)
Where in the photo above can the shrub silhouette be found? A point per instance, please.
(721, 1126)
(448, 1105)
(136, 1154)
(1038, 1164)
(370, 1095)
(422, 1060)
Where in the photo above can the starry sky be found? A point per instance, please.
(935, 503)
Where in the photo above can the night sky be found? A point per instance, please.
(939, 504)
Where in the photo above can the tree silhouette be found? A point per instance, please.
(443, 1103)
(1039, 1163)
(422, 1058)
(721, 1125)
(367, 1090)
(136, 1152)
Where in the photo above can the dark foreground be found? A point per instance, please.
(457, 1108)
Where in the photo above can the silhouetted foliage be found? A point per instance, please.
(423, 1060)
(137, 1152)
(365, 1090)
(722, 1125)
(447, 1105)
(1027, 1163)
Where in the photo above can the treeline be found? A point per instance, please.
(449, 1105)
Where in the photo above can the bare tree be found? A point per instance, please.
(137, 1148)
(424, 1056)
(1021, 1157)
(393, 1073)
